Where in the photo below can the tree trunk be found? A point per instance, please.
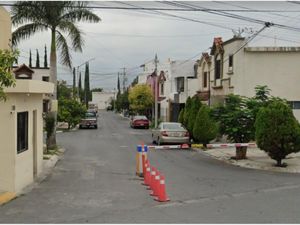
(240, 152)
(53, 79)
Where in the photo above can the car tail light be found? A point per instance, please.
(187, 134)
(164, 133)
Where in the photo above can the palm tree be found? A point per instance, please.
(60, 18)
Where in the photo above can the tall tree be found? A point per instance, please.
(80, 88)
(87, 91)
(140, 98)
(119, 88)
(74, 82)
(60, 18)
(37, 62)
(30, 59)
(45, 58)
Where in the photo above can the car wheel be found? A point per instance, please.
(153, 141)
(96, 127)
(80, 127)
(158, 141)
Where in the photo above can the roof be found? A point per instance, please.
(272, 49)
(218, 43)
(23, 67)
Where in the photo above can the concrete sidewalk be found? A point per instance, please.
(257, 159)
(48, 165)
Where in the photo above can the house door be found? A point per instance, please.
(34, 142)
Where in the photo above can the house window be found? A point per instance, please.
(205, 79)
(162, 88)
(22, 132)
(294, 104)
(180, 84)
(45, 79)
(230, 63)
(218, 69)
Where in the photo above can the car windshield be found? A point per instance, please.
(90, 114)
(140, 118)
(172, 126)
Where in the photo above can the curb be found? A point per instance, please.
(251, 164)
(6, 197)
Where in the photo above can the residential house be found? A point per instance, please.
(181, 85)
(5, 24)
(103, 99)
(234, 67)
(21, 130)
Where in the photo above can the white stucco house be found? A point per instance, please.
(103, 99)
(234, 67)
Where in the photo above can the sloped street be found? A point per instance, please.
(95, 182)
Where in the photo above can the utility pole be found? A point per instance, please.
(156, 93)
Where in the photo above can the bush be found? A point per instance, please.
(205, 128)
(236, 122)
(195, 106)
(187, 110)
(70, 111)
(277, 130)
(49, 127)
(181, 116)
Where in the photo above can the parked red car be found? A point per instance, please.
(139, 121)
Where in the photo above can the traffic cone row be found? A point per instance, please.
(155, 182)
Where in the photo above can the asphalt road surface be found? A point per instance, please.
(95, 182)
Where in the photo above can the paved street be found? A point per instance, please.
(96, 183)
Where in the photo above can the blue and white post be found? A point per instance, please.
(140, 154)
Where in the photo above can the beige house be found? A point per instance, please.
(21, 134)
(5, 26)
(21, 130)
(234, 67)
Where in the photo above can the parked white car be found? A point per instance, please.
(169, 132)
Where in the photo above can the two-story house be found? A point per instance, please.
(234, 67)
(21, 130)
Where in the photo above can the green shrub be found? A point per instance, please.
(195, 106)
(187, 110)
(49, 128)
(181, 116)
(277, 130)
(205, 128)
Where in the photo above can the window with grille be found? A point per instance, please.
(205, 79)
(22, 132)
(180, 84)
(218, 69)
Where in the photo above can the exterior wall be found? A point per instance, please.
(102, 99)
(19, 167)
(40, 73)
(8, 146)
(5, 24)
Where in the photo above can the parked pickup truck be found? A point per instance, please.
(90, 120)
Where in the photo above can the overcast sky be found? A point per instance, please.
(127, 38)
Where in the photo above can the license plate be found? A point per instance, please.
(142, 124)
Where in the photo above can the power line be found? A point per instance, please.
(168, 9)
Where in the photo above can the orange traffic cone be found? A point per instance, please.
(147, 175)
(144, 164)
(162, 195)
(152, 177)
(155, 184)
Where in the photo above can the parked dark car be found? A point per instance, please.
(139, 121)
(90, 120)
